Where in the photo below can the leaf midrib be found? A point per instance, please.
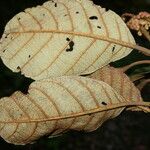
(79, 114)
(89, 35)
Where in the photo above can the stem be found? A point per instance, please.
(139, 108)
(143, 50)
(142, 84)
(136, 77)
(125, 68)
(145, 109)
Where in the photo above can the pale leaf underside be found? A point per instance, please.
(78, 37)
(54, 106)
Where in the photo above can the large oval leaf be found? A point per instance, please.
(76, 36)
(54, 106)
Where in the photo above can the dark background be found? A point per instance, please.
(129, 131)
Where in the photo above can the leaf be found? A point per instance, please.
(54, 106)
(78, 37)
(119, 81)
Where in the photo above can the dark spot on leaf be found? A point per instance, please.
(55, 4)
(71, 45)
(106, 9)
(4, 50)
(93, 17)
(18, 18)
(29, 56)
(98, 27)
(67, 39)
(113, 49)
(66, 15)
(43, 14)
(103, 103)
(18, 68)
(6, 36)
(77, 12)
